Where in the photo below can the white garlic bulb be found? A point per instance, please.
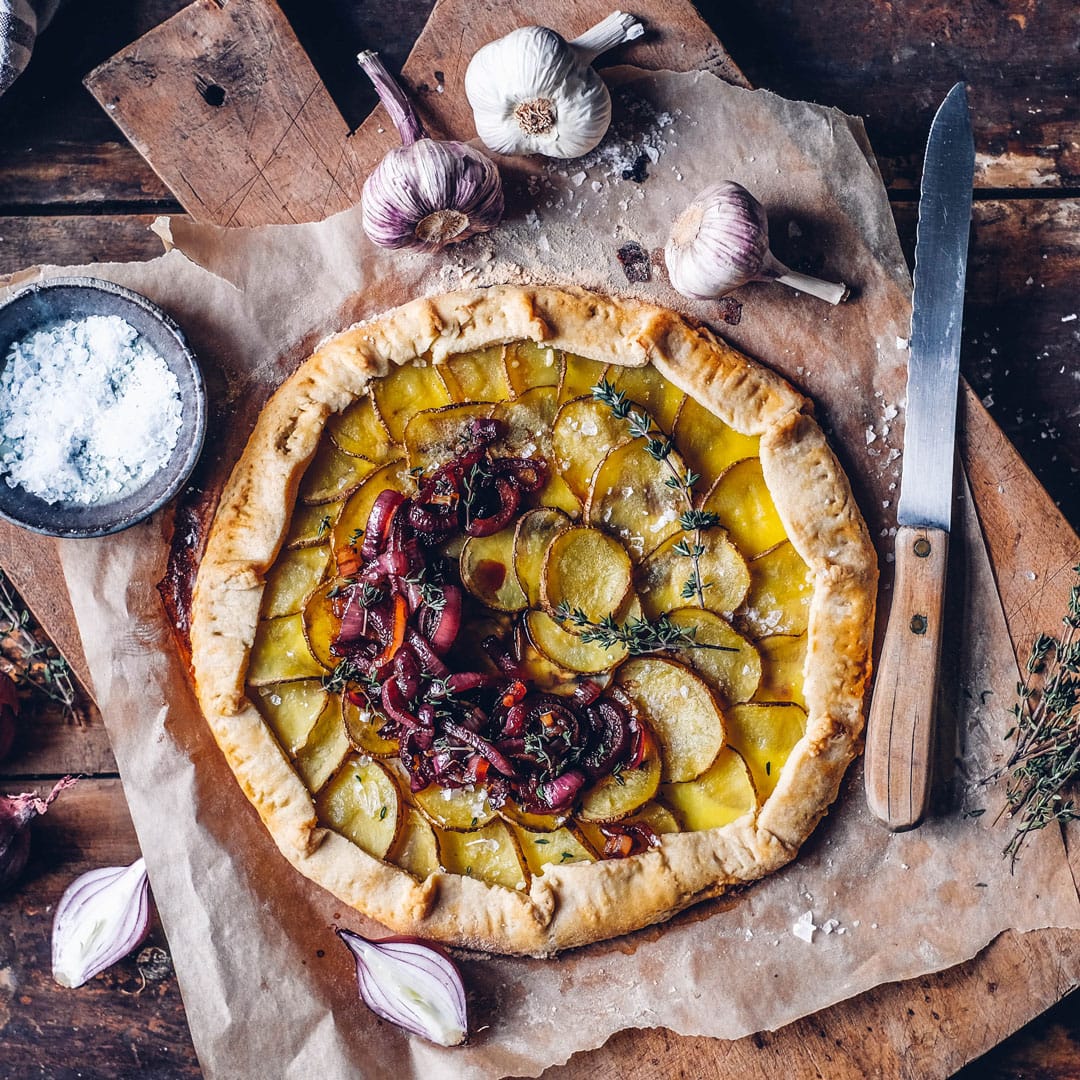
(721, 241)
(533, 92)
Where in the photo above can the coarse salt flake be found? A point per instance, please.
(88, 412)
(803, 927)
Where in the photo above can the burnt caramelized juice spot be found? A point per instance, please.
(400, 606)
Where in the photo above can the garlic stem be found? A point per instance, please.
(393, 98)
(832, 292)
(618, 27)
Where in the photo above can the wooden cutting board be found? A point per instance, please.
(226, 107)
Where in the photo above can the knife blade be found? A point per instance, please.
(900, 725)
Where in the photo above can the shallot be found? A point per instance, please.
(103, 915)
(411, 984)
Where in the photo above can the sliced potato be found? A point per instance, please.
(617, 796)
(325, 748)
(539, 669)
(490, 854)
(477, 376)
(280, 652)
(780, 591)
(708, 445)
(534, 531)
(361, 801)
(645, 386)
(291, 710)
(312, 525)
(718, 797)
(583, 433)
(783, 661)
(765, 736)
(434, 436)
(580, 375)
(530, 364)
(556, 848)
(406, 390)
(416, 848)
(662, 577)
(525, 819)
(349, 527)
(528, 423)
(362, 730)
(487, 571)
(584, 568)
(657, 816)
(321, 625)
(332, 475)
(556, 493)
(735, 676)
(568, 650)
(680, 709)
(357, 430)
(294, 575)
(455, 808)
(746, 508)
(629, 497)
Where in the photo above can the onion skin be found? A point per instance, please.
(411, 984)
(16, 813)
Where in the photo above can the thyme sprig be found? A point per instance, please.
(639, 635)
(1045, 758)
(659, 445)
(28, 657)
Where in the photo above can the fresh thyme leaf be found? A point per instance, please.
(639, 635)
(698, 519)
(355, 537)
(324, 525)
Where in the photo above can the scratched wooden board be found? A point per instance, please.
(926, 1027)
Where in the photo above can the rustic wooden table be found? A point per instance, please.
(72, 190)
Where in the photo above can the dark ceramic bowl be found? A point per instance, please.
(49, 302)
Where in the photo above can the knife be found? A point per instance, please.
(900, 725)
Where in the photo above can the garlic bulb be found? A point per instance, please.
(533, 92)
(721, 241)
(428, 193)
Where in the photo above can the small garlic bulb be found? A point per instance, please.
(533, 92)
(427, 193)
(721, 241)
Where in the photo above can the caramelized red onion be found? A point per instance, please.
(401, 616)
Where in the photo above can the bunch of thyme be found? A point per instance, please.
(639, 635)
(28, 657)
(1045, 757)
(659, 446)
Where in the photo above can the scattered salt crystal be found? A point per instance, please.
(1069, 318)
(803, 927)
(578, 179)
(596, 185)
(88, 412)
(871, 435)
(829, 925)
(901, 343)
(1030, 280)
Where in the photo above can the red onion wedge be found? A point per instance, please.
(103, 915)
(9, 711)
(411, 984)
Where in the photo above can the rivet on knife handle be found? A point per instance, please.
(900, 726)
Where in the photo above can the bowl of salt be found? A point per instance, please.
(102, 408)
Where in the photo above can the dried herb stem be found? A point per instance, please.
(1045, 757)
(659, 446)
(29, 658)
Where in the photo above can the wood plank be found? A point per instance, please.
(242, 135)
(74, 239)
(127, 1020)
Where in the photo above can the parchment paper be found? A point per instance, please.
(263, 977)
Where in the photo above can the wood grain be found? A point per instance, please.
(225, 105)
(900, 722)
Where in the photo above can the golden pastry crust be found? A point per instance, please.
(577, 903)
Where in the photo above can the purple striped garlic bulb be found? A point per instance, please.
(428, 193)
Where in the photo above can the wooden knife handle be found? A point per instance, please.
(900, 726)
